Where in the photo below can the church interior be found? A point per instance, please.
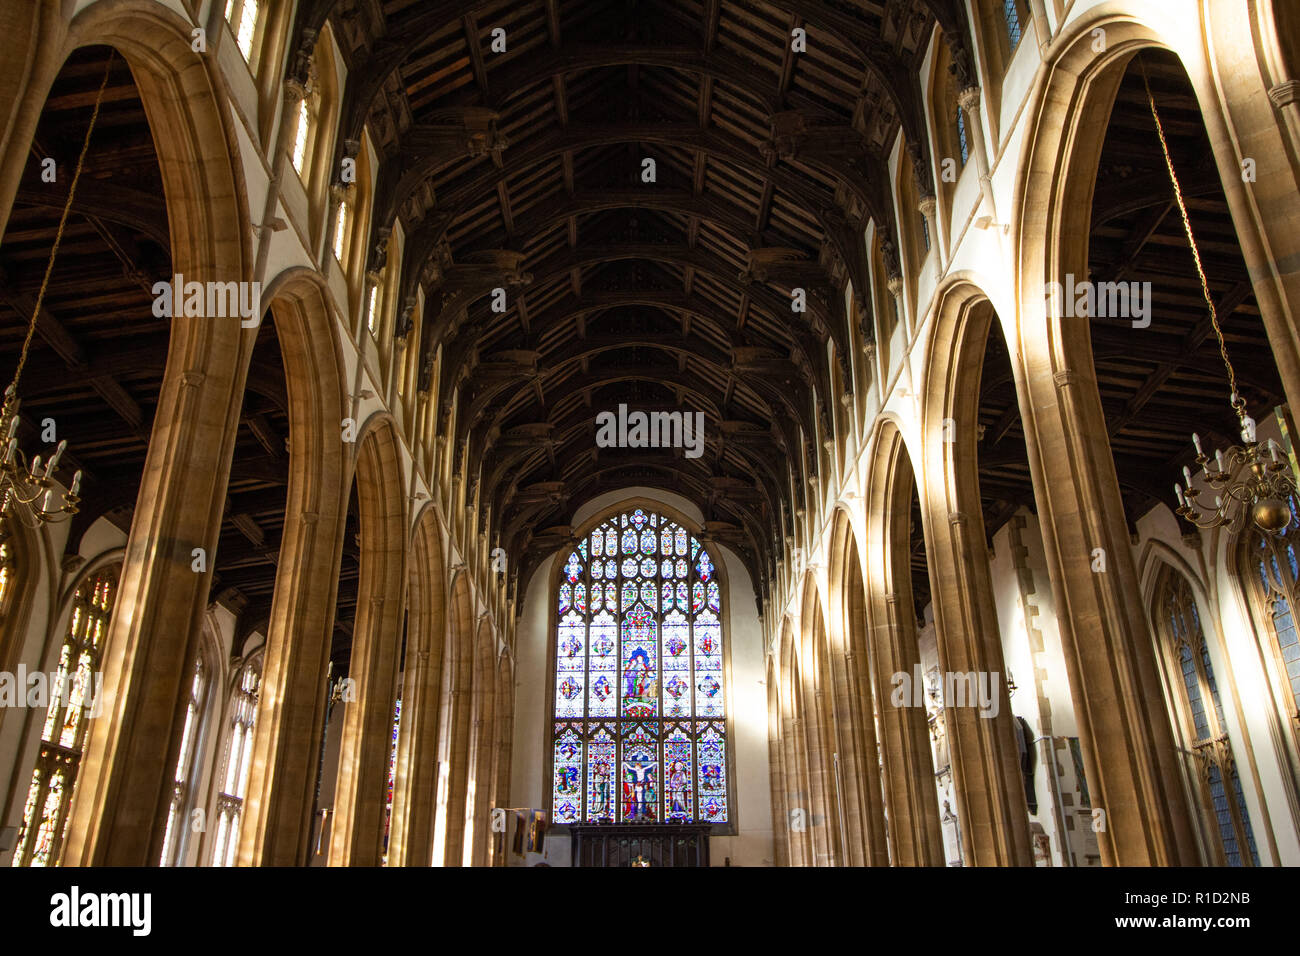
(650, 433)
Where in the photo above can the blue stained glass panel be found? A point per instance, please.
(566, 796)
(679, 795)
(601, 760)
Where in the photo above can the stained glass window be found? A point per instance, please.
(243, 15)
(341, 223)
(1222, 800)
(1011, 12)
(1274, 570)
(640, 731)
(239, 757)
(300, 134)
(185, 766)
(73, 702)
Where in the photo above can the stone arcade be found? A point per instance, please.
(353, 579)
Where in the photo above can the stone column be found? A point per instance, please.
(1285, 97)
(895, 286)
(415, 784)
(1128, 745)
(357, 830)
(501, 769)
(776, 771)
(798, 794)
(860, 761)
(480, 812)
(119, 811)
(822, 818)
(981, 742)
(928, 206)
(457, 777)
(1042, 29)
(276, 826)
(969, 100)
(1249, 106)
(909, 772)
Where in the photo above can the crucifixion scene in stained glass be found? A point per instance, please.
(640, 716)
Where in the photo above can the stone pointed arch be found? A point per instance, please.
(356, 834)
(504, 731)
(277, 823)
(482, 746)
(855, 700)
(913, 825)
(1127, 742)
(794, 756)
(454, 749)
(985, 759)
(818, 718)
(415, 786)
(776, 760)
(120, 808)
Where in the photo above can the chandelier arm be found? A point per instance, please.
(1240, 492)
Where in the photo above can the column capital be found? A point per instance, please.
(969, 99)
(927, 205)
(295, 91)
(1285, 94)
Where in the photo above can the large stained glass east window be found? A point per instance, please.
(640, 733)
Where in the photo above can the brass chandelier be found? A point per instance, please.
(1248, 481)
(26, 489)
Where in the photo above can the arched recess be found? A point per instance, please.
(951, 138)
(909, 789)
(203, 708)
(818, 724)
(1127, 741)
(991, 807)
(478, 803)
(504, 729)
(357, 830)
(276, 827)
(316, 143)
(776, 760)
(76, 648)
(794, 755)
(855, 703)
(415, 788)
(1200, 683)
(119, 813)
(454, 745)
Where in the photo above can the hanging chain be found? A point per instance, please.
(12, 393)
(1238, 403)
